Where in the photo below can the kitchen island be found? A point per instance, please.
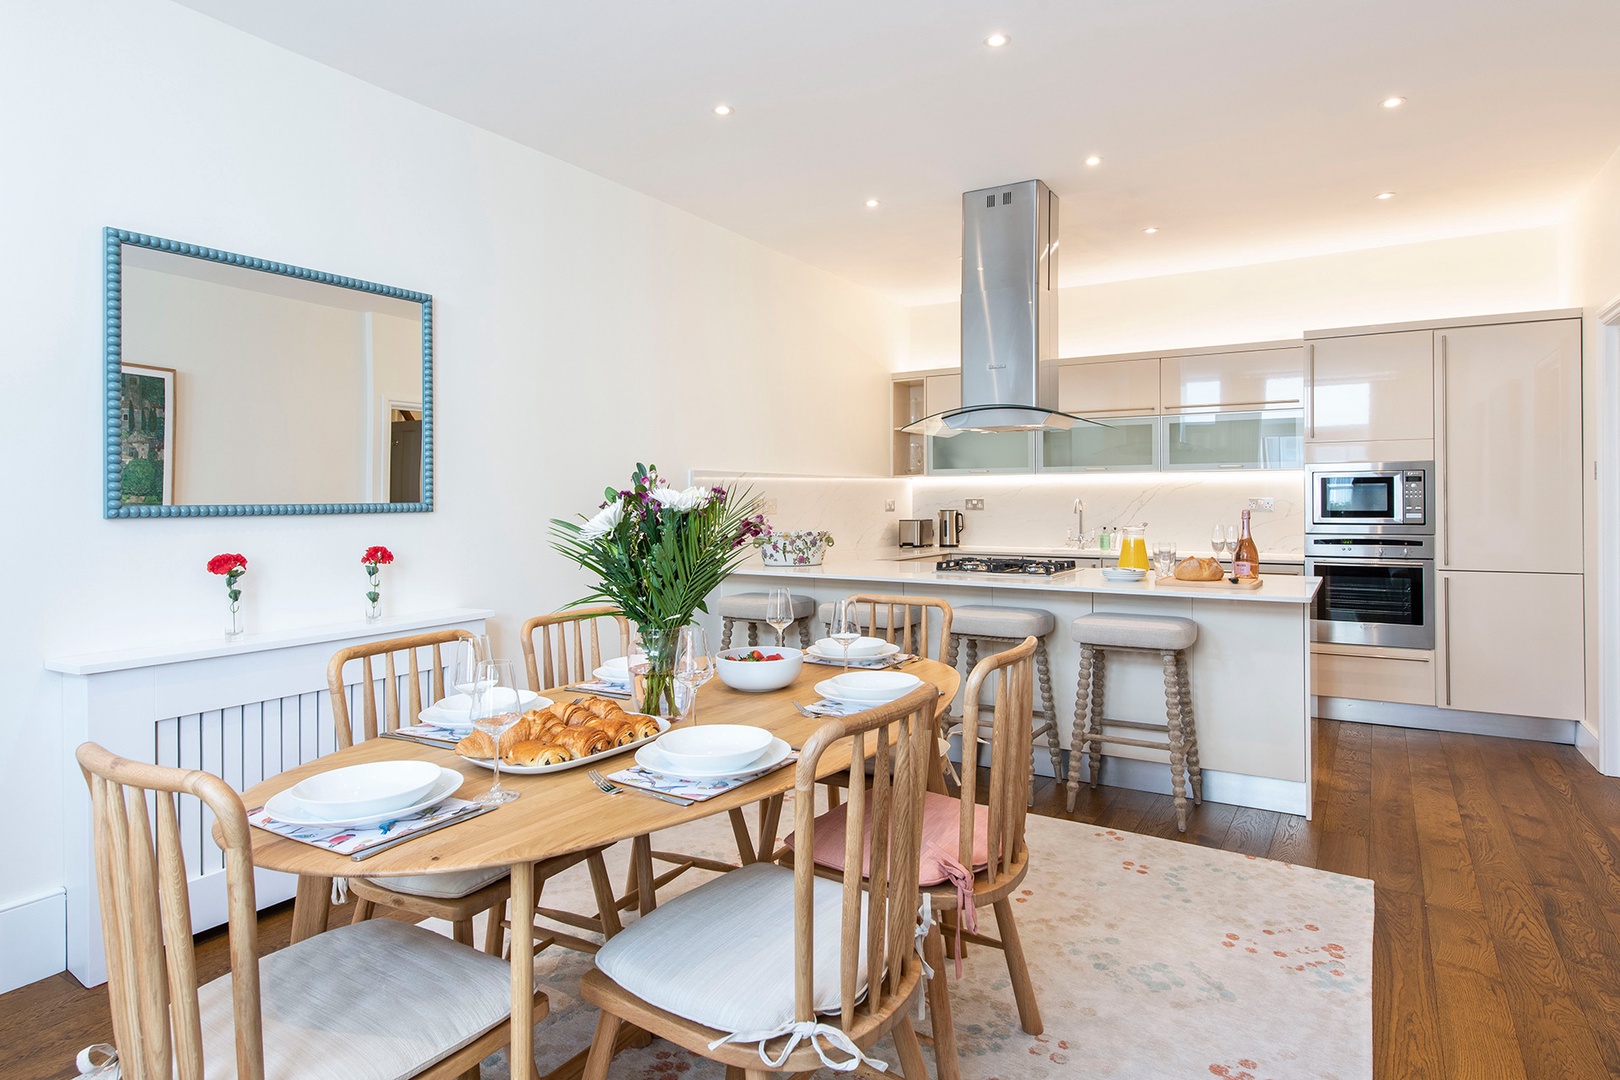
(1250, 667)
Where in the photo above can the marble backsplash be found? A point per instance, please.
(1035, 511)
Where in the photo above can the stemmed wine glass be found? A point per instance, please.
(1217, 541)
(694, 666)
(843, 628)
(779, 612)
(469, 653)
(1231, 540)
(494, 711)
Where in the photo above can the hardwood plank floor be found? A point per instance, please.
(1497, 941)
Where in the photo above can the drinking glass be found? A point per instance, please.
(694, 666)
(468, 654)
(779, 612)
(494, 711)
(1231, 539)
(1217, 541)
(843, 628)
(1164, 559)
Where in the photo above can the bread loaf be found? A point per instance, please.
(1193, 568)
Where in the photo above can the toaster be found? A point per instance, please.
(916, 532)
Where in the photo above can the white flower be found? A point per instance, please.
(682, 501)
(604, 522)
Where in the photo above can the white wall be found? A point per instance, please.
(1470, 275)
(580, 327)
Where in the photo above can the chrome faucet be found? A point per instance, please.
(1078, 539)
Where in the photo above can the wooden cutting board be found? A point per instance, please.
(1222, 583)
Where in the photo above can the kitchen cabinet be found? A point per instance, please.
(908, 400)
(1243, 379)
(1512, 644)
(973, 451)
(1248, 440)
(1109, 388)
(1370, 388)
(1114, 444)
(1508, 451)
(941, 392)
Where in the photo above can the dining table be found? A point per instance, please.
(555, 815)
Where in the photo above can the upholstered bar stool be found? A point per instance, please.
(749, 607)
(1169, 637)
(1002, 628)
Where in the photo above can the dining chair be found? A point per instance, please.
(771, 969)
(554, 646)
(886, 616)
(973, 854)
(454, 897)
(375, 1001)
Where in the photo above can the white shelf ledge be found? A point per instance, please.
(157, 655)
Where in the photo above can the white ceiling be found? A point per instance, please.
(1245, 130)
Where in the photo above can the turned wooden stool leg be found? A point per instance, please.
(1195, 772)
(1094, 726)
(972, 652)
(725, 631)
(753, 633)
(1178, 742)
(805, 640)
(1082, 698)
(952, 649)
(1043, 675)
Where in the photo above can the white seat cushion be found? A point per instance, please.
(977, 620)
(379, 1000)
(1134, 631)
(441, 886)
(825, 612)
(752, 605)
(722, 954)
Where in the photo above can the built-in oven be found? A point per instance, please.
(1376, 589)
(1388, 498)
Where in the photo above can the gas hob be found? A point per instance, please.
(1028, 565)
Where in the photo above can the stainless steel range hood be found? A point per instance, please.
(1009, 314)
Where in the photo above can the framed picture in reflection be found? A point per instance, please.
(146, 436)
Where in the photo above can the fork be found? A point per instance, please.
(608, 787)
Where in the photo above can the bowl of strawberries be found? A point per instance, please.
(758, 668)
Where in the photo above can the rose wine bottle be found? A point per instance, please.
(1246, 559)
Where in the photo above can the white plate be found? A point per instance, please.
(829, 688)
(461, 704)
(619, 676)
(889, 649)
(284, 807)
(649, 757)
(861, 647)
(564, 766)
(460, 721)
(1111, 573)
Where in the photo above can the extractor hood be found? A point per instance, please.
(1009, 315)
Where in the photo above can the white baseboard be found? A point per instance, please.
(33, 939)
(1586, 741)
(1429, 718)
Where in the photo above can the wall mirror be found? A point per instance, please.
(238, 386)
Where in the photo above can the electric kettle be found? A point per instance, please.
(950, 528)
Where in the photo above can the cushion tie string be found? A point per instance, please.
(340, 891)
(967, 911)
(925, 922)
(798, 1031)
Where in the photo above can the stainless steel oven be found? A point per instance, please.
(1389, 498)
(1376, 589)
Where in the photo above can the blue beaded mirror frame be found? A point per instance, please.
(112, 348)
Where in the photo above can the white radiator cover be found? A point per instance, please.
(243, 711)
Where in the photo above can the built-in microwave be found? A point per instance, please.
(1391, 498)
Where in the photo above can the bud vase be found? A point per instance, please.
(373, 606)
(233, 621)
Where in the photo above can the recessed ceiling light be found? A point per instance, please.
(996, 41)
(871, 204)
(722, 110)
(1394, 102)
(1151, 229)
(1093, 160)
(1384, 195)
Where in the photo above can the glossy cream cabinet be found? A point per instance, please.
(1370, 388)
(1109, 388)
(1243, 379)
(1511, 643)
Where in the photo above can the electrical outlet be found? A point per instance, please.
(767, 506)
(975, 504)
(1266, 505)
(888, 505)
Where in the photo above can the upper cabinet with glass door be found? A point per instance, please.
(1122, 397)
(973, 451)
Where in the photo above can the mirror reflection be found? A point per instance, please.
(243, 384)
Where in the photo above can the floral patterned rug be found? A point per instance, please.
(1153, 959)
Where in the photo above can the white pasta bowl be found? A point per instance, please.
(860, 648)
(361, 790)
(714, 748)
(757, 676)
(874, 686)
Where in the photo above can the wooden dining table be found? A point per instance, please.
(556, 814)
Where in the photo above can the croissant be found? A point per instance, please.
(584, 741)
(622, 732)
(477, 745)
(605, 708)
(537, 753)
(645, 727)
(576, 714)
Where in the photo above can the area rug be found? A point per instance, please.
(1153, 960)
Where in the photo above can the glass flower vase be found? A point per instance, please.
(652, 670)
(373, 606)
(233, 621)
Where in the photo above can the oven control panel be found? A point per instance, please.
(1412, 498)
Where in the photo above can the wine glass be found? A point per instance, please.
(843, 628)
(494, 711)
(1231, 540)
(694, 666)
(1217, 541)
(779, 612)
(469, 653)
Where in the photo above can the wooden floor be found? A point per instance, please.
(1497, 942)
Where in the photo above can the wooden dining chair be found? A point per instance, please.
(370, 1002)
(770, 969)
(554, 646)
(905, 621)
(454, 897)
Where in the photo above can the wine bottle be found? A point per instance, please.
(1246, 559)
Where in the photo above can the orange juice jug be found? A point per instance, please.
(1133, 552)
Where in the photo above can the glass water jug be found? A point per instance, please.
(1133, 553)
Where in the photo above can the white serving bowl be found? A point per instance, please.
(616, 670)
(714, 747)
(360, 790)
(874, 686)
(860, 647)
(756, 676)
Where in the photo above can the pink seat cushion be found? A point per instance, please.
(940, 853)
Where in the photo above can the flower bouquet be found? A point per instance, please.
(657, 552)
(793, 547)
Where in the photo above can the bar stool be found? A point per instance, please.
(749, 607)
(1169, 637)
(1002, 628)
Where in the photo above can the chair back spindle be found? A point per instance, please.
(391, 651)
(1012, 673)
(555, 646)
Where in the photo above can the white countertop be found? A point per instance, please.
(1277, 588)
(900, 554)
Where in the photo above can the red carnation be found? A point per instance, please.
(227, 564)
(377, 556)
